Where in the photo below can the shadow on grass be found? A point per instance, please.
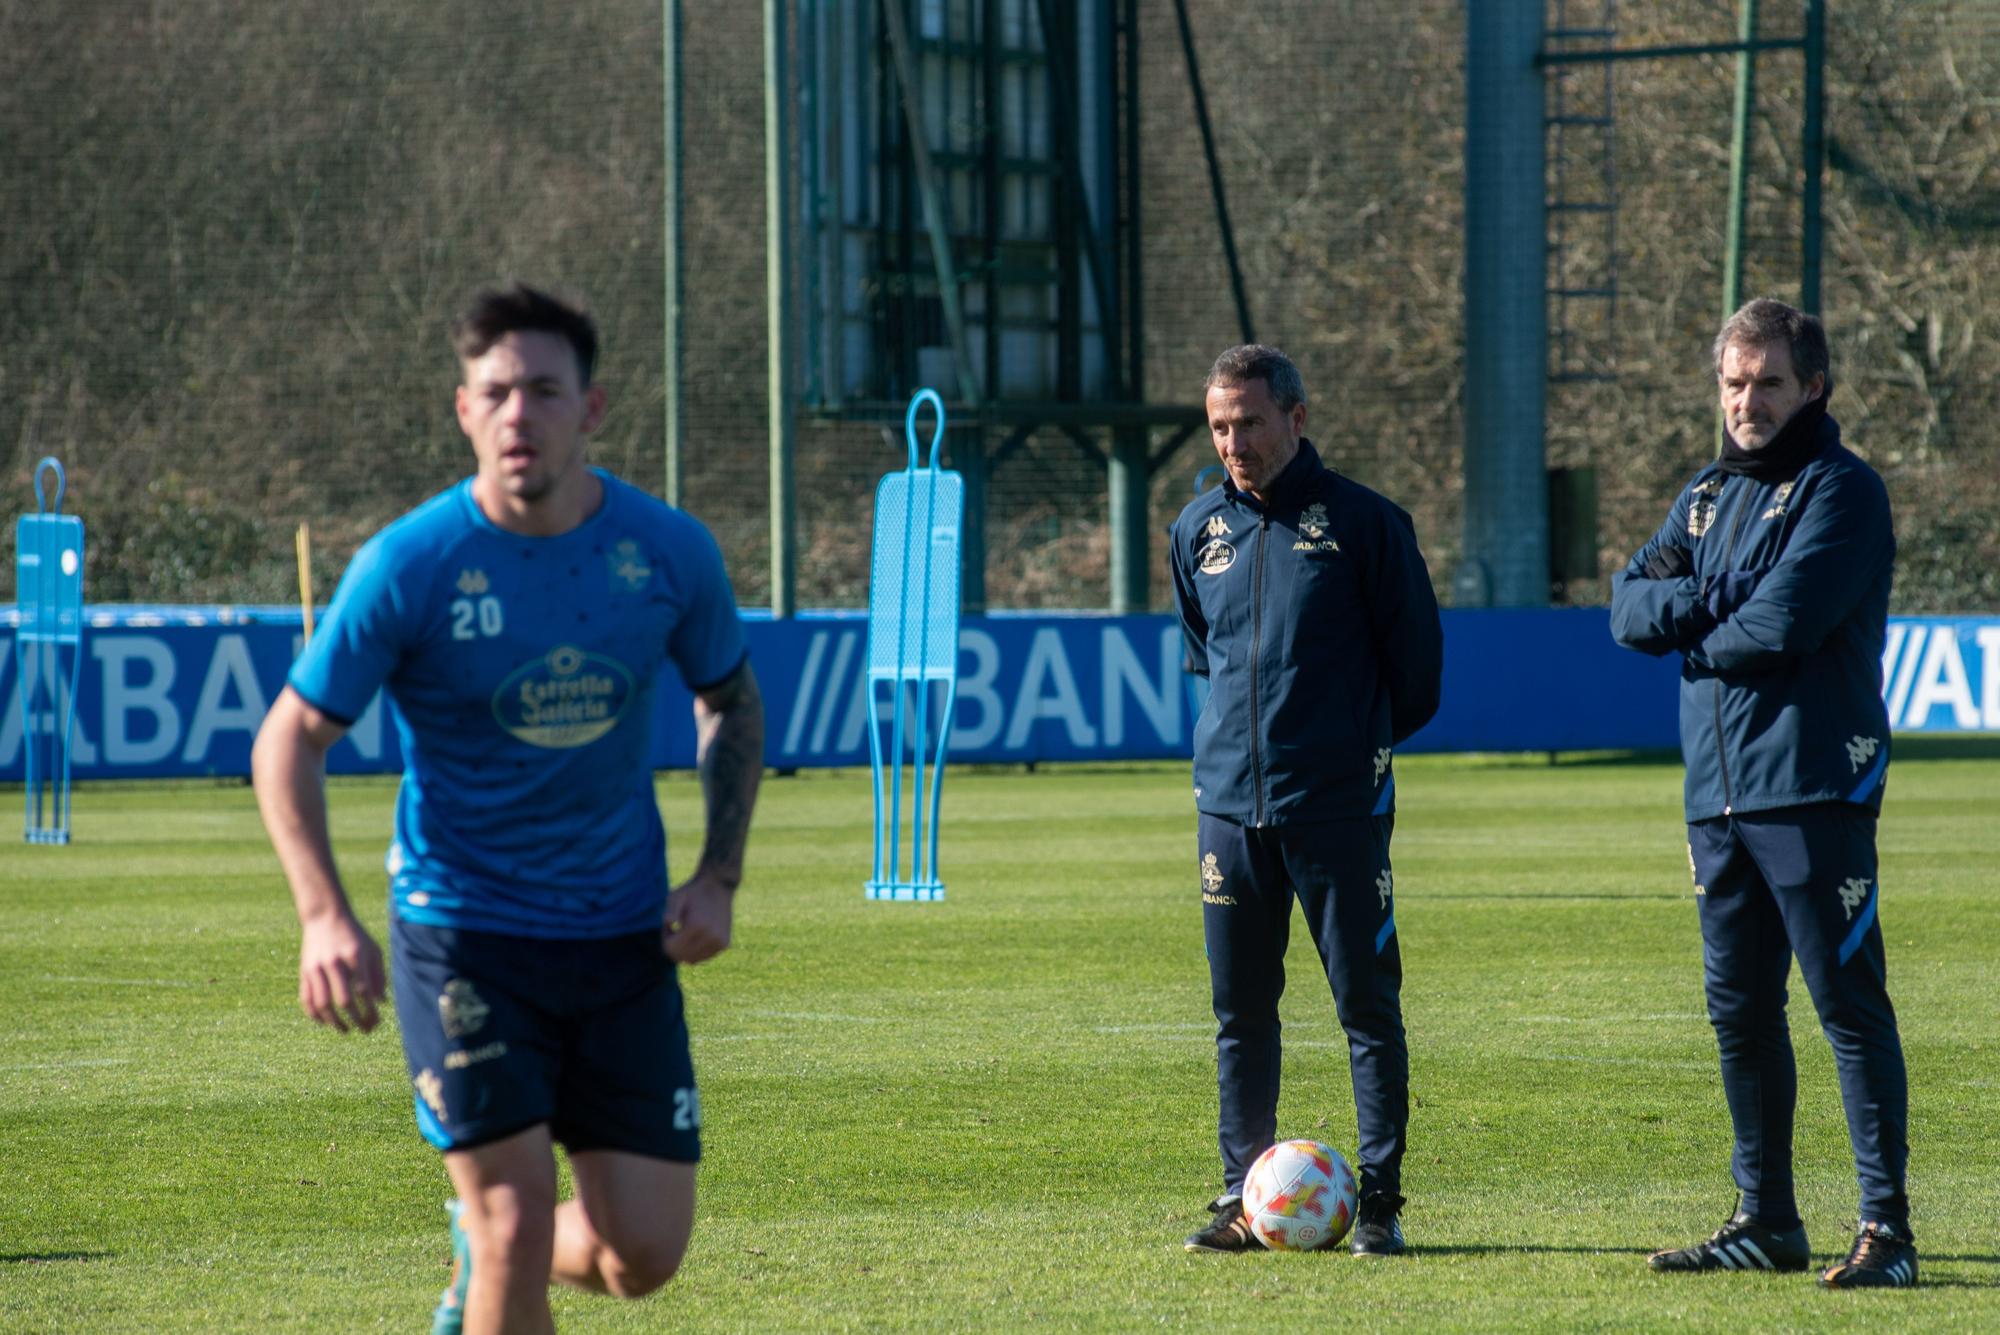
(50, 1258)
(1908, 746)
(1639, 1255)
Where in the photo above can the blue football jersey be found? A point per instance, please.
(519, 674)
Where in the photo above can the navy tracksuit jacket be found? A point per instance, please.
(1773, 585)
(1314, 620)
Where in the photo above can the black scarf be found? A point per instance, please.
(1793, 448)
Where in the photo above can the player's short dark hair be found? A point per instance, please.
(1767, 320)
(1255, 361)
(495, 312)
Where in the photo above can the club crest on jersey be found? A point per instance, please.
(567, 697)
(628, 566)
(1783, 499)
(460, 1010)
(1217, 557)
(472, 583)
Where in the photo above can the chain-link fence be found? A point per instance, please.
(235, 234)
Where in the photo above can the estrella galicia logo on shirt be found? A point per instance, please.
(567, 697)
(1217, 557)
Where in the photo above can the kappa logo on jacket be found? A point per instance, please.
(1860, 751)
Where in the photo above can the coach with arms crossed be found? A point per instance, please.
(1305, 602)
(1771, 579)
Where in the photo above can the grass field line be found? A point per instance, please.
(1599, 1021)
(1649, 1063)
(120, 982)
(65, 1065)
(820, 1017)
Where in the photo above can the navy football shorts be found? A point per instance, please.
(503, 1033)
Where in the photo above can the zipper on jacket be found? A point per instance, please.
(1256, 637)
(1743, 507)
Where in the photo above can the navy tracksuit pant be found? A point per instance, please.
(1339, 873)
(1801, 882)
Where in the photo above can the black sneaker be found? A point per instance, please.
(1376, 1231)
(1740, 1244)
(1229, 1231)
(1883, 1258)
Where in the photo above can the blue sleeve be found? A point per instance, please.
(1194, 626)
(359, 642)
(1659, 616)
(707, 643)
(1841, 546)
(1409, 636)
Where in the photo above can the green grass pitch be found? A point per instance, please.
(997, 1112)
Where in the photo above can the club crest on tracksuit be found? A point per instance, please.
(1211, 883)
(1312, 528)
(1701, 506)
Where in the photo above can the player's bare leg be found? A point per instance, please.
(627, 1229)
(507, 1191)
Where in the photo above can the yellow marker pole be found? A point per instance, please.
(306, 577)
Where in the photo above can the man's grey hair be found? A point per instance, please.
(1254, 361)
(1766, 320)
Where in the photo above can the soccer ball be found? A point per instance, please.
(1299, 1195)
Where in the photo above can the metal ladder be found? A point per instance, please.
(1581, 131)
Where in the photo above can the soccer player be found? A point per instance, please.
(1771, 579)
(517, 623)
(1304, 600)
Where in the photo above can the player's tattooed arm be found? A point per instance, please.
(729, 757)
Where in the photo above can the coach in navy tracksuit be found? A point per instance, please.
(1306, 603)
(1771, 578)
